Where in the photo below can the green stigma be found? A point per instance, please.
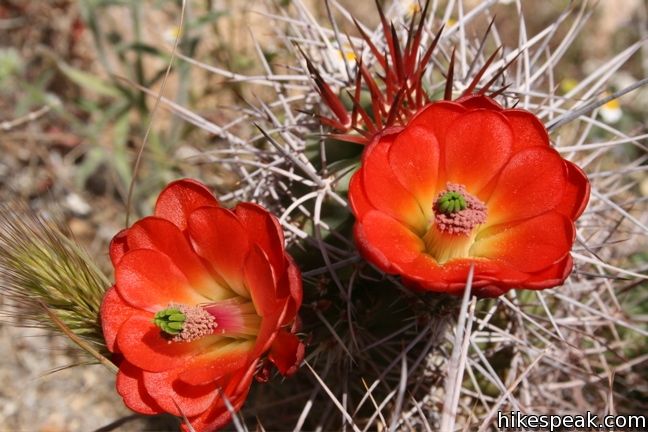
(451, 202)
(170, 320)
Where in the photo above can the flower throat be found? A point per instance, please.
(456, 215)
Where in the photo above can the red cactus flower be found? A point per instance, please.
(201, 294)
(468, 183)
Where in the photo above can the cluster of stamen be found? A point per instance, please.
(185, 323)
(458, 212)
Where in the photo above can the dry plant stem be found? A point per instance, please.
(457, 361)
(140, 152)
(333, 398)
(34, 115)
(77, 340)
(571, 115)
(489, 418)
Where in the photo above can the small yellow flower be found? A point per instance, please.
(347, 55)
(408, 8)
(611, 111)
(172, 33)
(568, 84)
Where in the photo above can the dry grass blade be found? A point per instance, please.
(84, 345)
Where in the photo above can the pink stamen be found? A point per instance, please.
(464, 221)
(198, 323)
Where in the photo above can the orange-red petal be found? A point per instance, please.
(150, 280)
(114, 312)
(130, 387)
(531, 183)
(414, 159)
(477, 146)
(357, 197)
(530, 245)
(286, 352)
(551, 276)
(451, 277)
(293, 280)
(383, 189)
(437, 118)
(176, 201)
(228, 357)
(161, 235)
(118, 246)
(576, 194)
(218, 415)
(177, 397)
(221, 239)
(386, 242)
(264, 230)
(479, 101)
(268, 330)
(143, 345)
(528, 130)
(261, 282)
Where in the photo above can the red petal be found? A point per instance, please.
(531, 183)
(292, 278)
(576, 194)
(225, 358)
(189, 400)
(143, 345)
(163, 236)
(261, 282)
(528, 130)
(479, 101)
(221, 239)
(269, 326)
(552, 276)
(387, 243)
(528, 246)
(491, 291)
(357, 197)
(426, 274)
(130, 386)
(114, 312)
(218, 415)
(383, 189)
(180, 198)
(150, 280)
(477, 146)
(118, 247)
(414, 159)
(437, 117)
(287, 352)
(263, 229)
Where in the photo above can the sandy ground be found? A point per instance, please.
(34, 398)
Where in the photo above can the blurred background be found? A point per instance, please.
(72, 116)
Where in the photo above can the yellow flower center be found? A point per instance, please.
(452, 232)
